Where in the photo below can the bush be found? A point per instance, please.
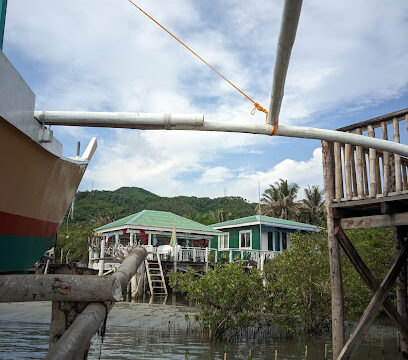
(231, 298)
(298, 285)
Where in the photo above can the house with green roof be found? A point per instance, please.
(257, 232)
(150, 227)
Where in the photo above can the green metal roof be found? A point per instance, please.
(265, 220)
(158, 219)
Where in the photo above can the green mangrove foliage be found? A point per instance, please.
(231, 298)
(295, 295)
(298, 285)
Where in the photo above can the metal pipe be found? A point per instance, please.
(129, 120)
(176, 122)
(307, 133)
(290, 20)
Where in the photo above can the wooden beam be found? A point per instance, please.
(366, 222)
(58, 287)
(374, 306)
(401, 233)
(369, 279)
(75, 340)
(337, 297)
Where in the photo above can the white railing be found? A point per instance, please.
(209, 255)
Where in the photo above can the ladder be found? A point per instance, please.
(155, 276)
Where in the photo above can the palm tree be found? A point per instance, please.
(312, 206)
(221, 215)
(279, 199)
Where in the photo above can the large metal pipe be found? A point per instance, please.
(290, 20)
(307, 133)
(130, 120)
(175, 122)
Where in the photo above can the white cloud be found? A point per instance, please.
(104, 55)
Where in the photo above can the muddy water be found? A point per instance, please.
(143, 331)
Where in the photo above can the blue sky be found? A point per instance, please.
(349, 63)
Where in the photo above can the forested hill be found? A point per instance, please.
(105, 206)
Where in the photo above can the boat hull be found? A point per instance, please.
(36, 190)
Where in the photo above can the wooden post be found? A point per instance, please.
(372, 154)
(404, 177)
(74, 342)
(400, 234)
(353, 171)
(397, 158)
(386, 162)
(347, 171)
(334, 251)
(374, 306)
(378, 174)
(359, 165)
(339, 194)
(366, 189)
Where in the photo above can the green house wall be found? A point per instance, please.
(234, 237)
(256, 245)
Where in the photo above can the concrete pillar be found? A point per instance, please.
(102, 261)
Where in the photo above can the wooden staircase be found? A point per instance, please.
(155, 276)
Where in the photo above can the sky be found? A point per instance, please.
(349, 63)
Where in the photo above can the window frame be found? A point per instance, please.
(250, 239)
(225, 235)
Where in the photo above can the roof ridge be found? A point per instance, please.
(138, 215)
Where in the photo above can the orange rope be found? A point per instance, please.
(256, 105)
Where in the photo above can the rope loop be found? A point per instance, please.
(259, 108)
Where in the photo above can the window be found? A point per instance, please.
(223, 241)
(245, 239)
(284, 241)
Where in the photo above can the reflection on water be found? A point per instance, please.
(30, 341)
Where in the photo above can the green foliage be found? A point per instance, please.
(377, 248)
(106, 206)
(75, 239)
(299, 286)
(230, 297)
(297, 294)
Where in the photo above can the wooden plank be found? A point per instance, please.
(397, 158)
(374, 306)
(372, 156)
(337, 297)
(386, 162)
(367, 222)
(338, 175)
(354, 203)
(347, 171)
(359, 168)
(376, 121)
(369, 279)
(401, 290)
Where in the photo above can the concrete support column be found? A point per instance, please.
(132, 236)
(102, 255)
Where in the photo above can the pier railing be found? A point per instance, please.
(361, 173)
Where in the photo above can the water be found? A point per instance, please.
(162, 332)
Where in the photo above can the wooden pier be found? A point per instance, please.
(366, 188)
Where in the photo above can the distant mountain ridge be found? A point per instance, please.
(104, 206)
